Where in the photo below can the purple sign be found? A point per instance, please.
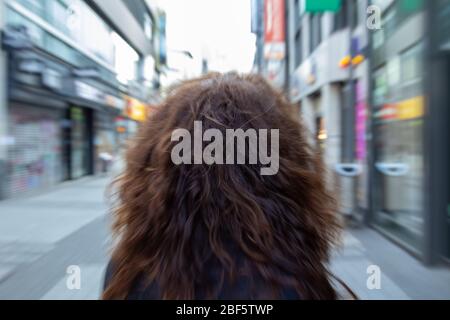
(361, 117)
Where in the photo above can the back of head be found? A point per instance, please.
(193, 198)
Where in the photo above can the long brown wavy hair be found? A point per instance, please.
(173, 222)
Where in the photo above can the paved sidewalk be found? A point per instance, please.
(402, 276)
(34, 227)
(41, 236)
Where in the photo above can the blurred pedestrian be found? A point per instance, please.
(221, 231)
(106, 159)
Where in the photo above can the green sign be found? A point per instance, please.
(321, 5)
(411, 5)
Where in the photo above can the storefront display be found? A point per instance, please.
(398, 148)
(35, 152)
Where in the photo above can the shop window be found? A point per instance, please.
(379, 86)
(412, 64)
(341, 18)
(393, 72)
(388, 22)
(377, 39)
(315, 31)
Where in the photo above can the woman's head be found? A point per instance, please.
(174, 220)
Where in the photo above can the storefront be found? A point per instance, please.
(409, 180)
(134, 114)
(437, 146)
(37, 120)
(35, 155)
(80, 141)
(61, 119)
(106, 144)
(104, 105)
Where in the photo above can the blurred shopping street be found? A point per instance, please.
(41, 236)
(372, 88)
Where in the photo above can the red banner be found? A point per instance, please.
(274, 27)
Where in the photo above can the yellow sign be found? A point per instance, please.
(411, 108)
(136, 110)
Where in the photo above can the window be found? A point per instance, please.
(411, 60)
(126, 59)
(389, 21)
(341, 18)
(298, 48)
(393, 71)
(360, 13)
(149, 68)
(148, 26)
(379, 86)
(377, 39)
(315, 31)
(297, 12)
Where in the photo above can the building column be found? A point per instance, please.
(331, 110)
(308, 116)
(3, 106)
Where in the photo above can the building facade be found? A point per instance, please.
(327, 84)
(75, 79)
(374, 99)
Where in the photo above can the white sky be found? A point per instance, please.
(218, 30)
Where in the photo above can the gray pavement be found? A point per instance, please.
(41, 236)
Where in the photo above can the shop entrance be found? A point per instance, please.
(399, 180)
(80, 142)
(398, 149)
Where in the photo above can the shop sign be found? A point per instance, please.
(120, 125)
(274, 30)
(52, 79)
(89, 92)
(411, 108)
(136, 110)
(115, 102)
(404, 110)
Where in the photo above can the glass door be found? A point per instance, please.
(79, 143)
(398, 127)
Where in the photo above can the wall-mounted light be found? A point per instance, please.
(345, 62)
(357, 59)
